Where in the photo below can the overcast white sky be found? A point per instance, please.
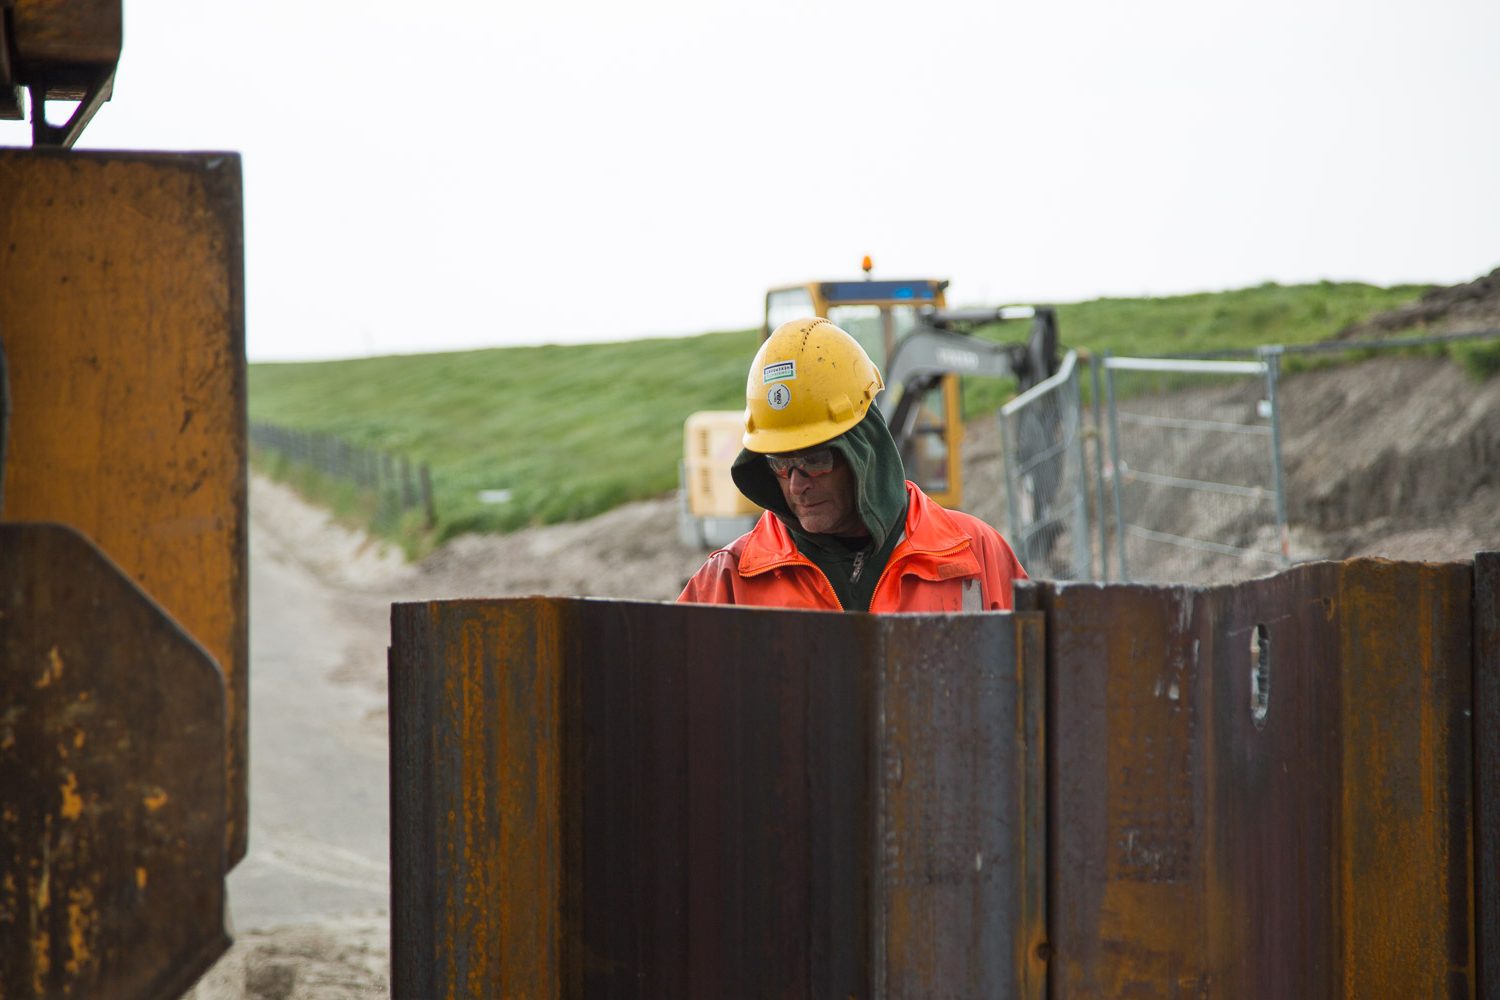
(459, 174)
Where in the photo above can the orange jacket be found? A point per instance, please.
(948, 561)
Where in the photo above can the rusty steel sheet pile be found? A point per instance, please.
(1263, 790)
(1286, 787)
(112, 820)
(607, 799)
(1487, 768)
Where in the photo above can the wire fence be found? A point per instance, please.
(1194, 470)
(1047, 485)
(396, 484)
(1187, 481)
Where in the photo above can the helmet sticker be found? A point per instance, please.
(779, 397)
(781, 371)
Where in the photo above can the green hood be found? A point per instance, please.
(879, 476)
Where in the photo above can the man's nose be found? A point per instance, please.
(799, 481)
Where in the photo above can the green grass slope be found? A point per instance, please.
(571, 431)
(575, 430)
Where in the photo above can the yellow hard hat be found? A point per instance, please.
(809, 383)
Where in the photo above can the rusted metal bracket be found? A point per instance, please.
(10, 92)
(58, 50)
(43, 133)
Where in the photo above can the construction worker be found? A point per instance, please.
(843, 529)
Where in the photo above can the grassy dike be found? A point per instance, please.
(572, 431)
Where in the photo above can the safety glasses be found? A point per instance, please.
(811, 461)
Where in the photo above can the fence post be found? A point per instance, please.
(427, 504)
(1099, 468)
(1271, 356)
(398, 484)
(408, 486)
(1081, 541)
(1013, 487)
(1114, 457)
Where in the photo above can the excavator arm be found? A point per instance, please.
(936, 349)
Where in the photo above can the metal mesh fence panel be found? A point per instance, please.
(1195, 470)
(1046, 477)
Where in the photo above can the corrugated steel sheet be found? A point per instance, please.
(1323, 850)
(622, 800)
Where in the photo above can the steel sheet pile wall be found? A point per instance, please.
(1487, 768)
(624, 800)
(112, 781)
(1322, 850)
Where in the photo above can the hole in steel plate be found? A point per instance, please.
(1260, 675)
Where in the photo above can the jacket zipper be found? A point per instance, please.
(835, 593)
(888, 564)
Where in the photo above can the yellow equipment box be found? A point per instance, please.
(711, 440)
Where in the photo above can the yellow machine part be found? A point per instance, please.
(711, 440)
(122, 316)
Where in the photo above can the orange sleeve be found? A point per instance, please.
(714, 581)
(1001, 569)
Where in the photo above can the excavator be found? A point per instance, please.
(922, 348)
(124, 641)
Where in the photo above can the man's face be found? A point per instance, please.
(823, 504)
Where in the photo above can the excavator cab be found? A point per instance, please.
(881, 314)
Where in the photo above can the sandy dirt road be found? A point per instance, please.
(309, 904)
(318, 844)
